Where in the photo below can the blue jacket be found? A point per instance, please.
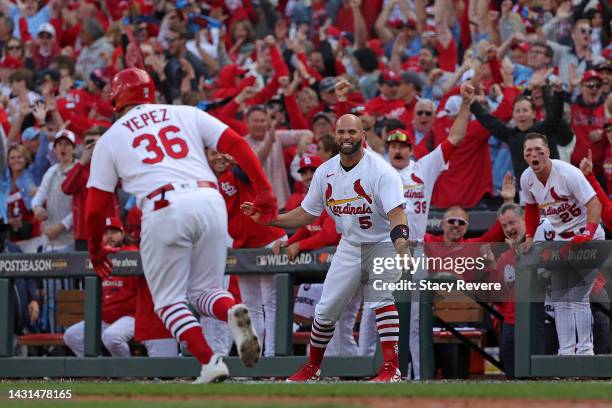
(28, 181)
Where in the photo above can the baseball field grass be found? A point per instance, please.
(237, 394)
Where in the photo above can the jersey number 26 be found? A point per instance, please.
(174, 147)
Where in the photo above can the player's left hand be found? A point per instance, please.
(101, 263)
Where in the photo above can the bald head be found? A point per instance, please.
(349, 120)
(349, 134)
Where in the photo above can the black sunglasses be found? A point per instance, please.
(456, 221)
(13, 47)
(593, 86)
(424, 113)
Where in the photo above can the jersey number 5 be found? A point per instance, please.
(174, 147)
(365, 222)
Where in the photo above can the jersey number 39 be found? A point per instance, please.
(174, 147)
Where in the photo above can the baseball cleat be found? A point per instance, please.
(388, 373)
(214, 371)
(307, 373)
(247, 342)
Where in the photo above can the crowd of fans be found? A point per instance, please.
(280, 72)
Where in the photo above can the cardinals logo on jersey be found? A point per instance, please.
(359, 190)
(556, 196)
(416, 179)
(343, 206)
(414, 190)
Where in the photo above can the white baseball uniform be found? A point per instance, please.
(563, 202)
(358, 200)
(418, 179)
(183, 244)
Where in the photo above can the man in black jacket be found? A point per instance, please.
(523, 116)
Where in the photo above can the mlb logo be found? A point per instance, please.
(261, 260)
(108, 221)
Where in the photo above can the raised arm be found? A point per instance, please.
(359, 25)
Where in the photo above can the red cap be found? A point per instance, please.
(400, 135)
(113, 222)
(607, 53)
(390, 76)
(523, 46)
(11, 62)
(591, 74)
(309, 162)
(334, 31)
(376, 46)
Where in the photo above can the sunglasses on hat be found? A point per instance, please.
(398, 137)
(457, 222)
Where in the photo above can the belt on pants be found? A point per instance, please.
(162, 202)
(570, 234)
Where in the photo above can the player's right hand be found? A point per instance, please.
(101, 263)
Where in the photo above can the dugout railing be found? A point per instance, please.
(309, 267)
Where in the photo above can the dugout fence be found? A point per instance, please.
(310, 267)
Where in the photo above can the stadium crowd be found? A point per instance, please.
(280, 72)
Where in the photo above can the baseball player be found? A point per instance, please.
(118, 304)
(566, 198)
(363, 195)
(157, 152)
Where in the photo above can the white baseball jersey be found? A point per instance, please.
(419, 179)
(564, 197)
(153, 145)
(359, 199)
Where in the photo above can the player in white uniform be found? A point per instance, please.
(566, 198)
(419, 178)
(157, 152)
(363, 194)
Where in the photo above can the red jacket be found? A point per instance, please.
(389, 108)
(118, 297)
(75, 184)
(469, 176)
(584, 120)
(294, 201)
(606, 204)
(317, 235)
(236, 189)
(435, 247)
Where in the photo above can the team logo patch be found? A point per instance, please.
(343, 206)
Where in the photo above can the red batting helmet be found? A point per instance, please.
(132, 86)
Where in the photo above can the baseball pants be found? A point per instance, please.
(570, 293)
(415, 352)
(343, 342)
(183, 246)
(258, 293)
(217, 332)
(115, 337)
(348, 274)
(368, 334)
(161, 347)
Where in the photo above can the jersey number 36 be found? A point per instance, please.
(174, 147)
